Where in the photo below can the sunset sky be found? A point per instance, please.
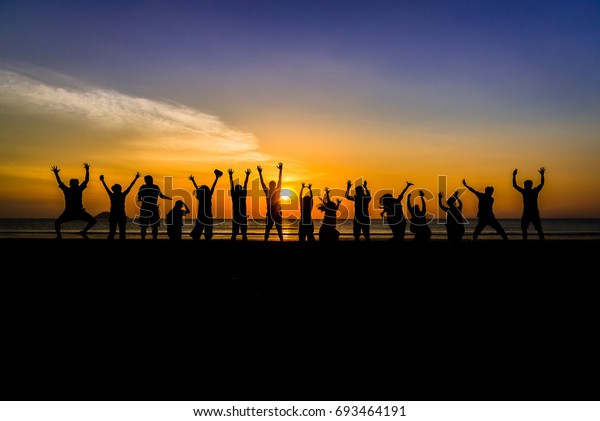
(385, 91)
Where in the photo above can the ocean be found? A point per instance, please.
(554, 229)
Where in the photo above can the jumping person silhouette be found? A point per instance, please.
(531, 212)
(239, 222)
(117, 216)
(485, 212)
(273, 193)
(328, 233)
(455, 225)
(418, 219)
(148, 194)
(204, 220)
(362, 219)
(306, 229)
(175, 220)
(394, 214)
(74, 210)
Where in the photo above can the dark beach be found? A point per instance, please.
(224, 320)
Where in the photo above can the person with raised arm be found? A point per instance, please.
(328, 233)
(455, 223)
(306, 229)
(74, 210)
(531, 211)
(117, 216)
(273, 194)
(204, 220)
(239, 221)
(419, 225)
(362, 220)
(394, 214)
(485, 212)
(148, 194)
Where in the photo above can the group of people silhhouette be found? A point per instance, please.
(392, 210)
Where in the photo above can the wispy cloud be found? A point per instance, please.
(142, 128)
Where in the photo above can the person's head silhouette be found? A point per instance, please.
(73, 182)
(386, 200)
(148, 179)
(237, 188)
(528, 184)
(489, 190)
(116, 188)
(359, 190)
(451, 201)
(272, 184)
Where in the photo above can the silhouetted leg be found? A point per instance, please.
(496, 225)
(537, 223)
(57, 225)
(367, 231)
(155, 232)
(143, 232)
(244, 230)
(524, 225)
(268, 227)
(122, 229)
(91, 221)
(196, 231)
(208, 233)
(112, 228)
(235, 229)
(356, 231)
(478, 230)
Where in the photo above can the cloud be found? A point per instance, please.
(143, 128)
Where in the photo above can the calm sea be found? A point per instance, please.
(555, 229)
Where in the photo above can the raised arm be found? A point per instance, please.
(347, 194)
(367, 192)
(262, 181)
(248, 171)
(310, 193)
(409, 206)
(193, 180)
(105, 186)
(301, 191)
(401, 195)
(542, 171)
(128, 189)
(471, 189)
(440, 203)
(514, 181)
(217, 176)
(280, 168)
(423, 205)
(56, 170)
(87, 175)
(458, 201)
(230, 172)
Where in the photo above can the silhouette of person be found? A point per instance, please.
(148, 194)
(273, 193)
(418, 219)
(394, 214)
(455, 224)
(362, 220)
(117, 216)
(239, 222)
(306, 230)
(531, 212)
(204, 220)
(175, 220)
(328, 232)
(74, 210)
(485, 212)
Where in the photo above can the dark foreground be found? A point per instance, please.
(94, 320)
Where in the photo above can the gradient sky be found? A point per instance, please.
(386, 91)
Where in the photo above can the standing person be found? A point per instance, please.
(362, 219)
(418, 219)
(117, 216)
(148, 195)
(455, 224)
(273, 193)
(306, 230)
(175, 220)
(328, 232)
(485, 212)
(394, 214)
(204, 221)
(74, 210)
(239, 222)
(531, 212)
